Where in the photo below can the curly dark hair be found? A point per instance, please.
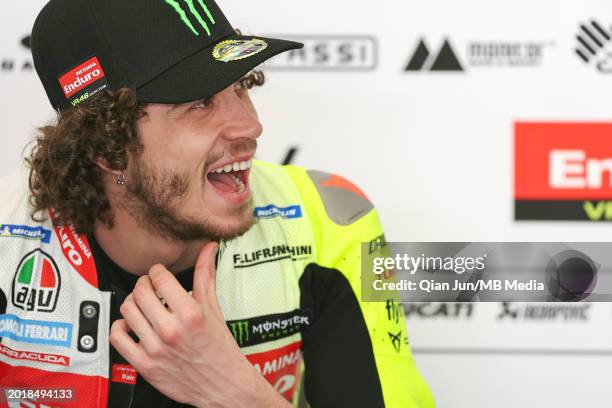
(64, 175)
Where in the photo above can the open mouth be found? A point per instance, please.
(232, 178)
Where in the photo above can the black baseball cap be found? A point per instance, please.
(170, 51)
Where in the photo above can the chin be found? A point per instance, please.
(233, 230)
(233, 224)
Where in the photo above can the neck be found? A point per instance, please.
(136, 249)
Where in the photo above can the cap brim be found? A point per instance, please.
(202, 75)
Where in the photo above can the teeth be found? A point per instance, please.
(239, 183)
(243, 165)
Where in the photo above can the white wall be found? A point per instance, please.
(435, 153)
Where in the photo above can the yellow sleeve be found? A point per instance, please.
(343, 218)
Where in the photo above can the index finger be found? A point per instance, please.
(175, 296)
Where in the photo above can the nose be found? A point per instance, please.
(238, 119)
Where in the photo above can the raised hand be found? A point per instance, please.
(185, 349)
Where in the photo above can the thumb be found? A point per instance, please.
(205, 274)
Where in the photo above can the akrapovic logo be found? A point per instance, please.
(563, 171)
(537, 311)
(192, 17)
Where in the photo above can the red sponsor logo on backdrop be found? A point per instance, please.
(563, 161)
(280, 367)
(563, 171)
(81, 76)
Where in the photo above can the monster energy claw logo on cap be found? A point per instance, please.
(176, 5)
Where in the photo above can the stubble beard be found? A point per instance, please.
(152, 198)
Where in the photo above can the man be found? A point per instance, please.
(152, 262)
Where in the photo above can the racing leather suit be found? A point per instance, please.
(289, 289)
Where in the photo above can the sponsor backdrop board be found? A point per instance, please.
(463, 121)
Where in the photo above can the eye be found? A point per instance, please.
(202, 104)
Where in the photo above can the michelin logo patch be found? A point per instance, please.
(271, 211)
(23, 231)
(35, 331)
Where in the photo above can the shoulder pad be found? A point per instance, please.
(344, 202)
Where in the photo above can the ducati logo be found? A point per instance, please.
(36, 283)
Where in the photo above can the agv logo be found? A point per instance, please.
(36, 283)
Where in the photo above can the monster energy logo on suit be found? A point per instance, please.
(260, 329)
(240, 331)
(175, 4)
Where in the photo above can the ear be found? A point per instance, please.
(103, 165)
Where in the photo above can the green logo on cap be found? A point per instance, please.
(195, 13)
